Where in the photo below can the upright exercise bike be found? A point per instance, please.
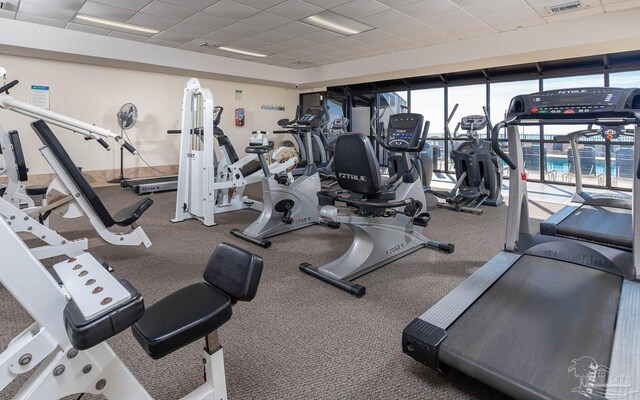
(288, 204)
(478, 178)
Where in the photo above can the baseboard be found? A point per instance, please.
(102, 177)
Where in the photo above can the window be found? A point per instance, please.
(501, 95)
(470, 100)
(430, 103)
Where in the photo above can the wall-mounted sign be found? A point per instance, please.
(40, 96)
(272, 107)
(238, 94)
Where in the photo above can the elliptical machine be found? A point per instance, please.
(386, 217)
(478, 178)
(289, 204)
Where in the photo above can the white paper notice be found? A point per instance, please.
(40, 96)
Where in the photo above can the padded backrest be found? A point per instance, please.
(235, 271)
(51, 141)
(356, 164)
(224, 141)
(18, 154)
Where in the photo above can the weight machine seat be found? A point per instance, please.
(232, 274)
(36, 190)
(124, 217)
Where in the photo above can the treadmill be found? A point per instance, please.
(548, 317)
(169, 182)
(603, 218)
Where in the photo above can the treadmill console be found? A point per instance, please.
(315, 116)
(579, 103)
(405, 133)
(473, 122)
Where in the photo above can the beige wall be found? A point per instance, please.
(95, 93)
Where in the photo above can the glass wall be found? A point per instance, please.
(605, 163)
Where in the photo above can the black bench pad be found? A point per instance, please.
(2, 190)
(84, 334)
(36, 190)
(181, 318)
(130, 214)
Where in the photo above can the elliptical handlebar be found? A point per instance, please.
(495, 144)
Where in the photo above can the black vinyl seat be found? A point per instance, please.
(124, 217)
(232, 274)
(356, 168)
(249, 168)
(21, 166)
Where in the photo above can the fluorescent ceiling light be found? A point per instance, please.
(240, 51)
(116, 24)
(337, 23)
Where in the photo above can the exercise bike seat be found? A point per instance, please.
(232, 274)
(257, 149)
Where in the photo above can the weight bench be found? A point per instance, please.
(71, 182)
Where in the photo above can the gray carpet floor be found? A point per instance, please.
(300, 338)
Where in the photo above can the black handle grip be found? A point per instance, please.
(8, 86)
(126, 145)
(495, 143)
(103, 143)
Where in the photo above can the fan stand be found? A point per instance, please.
(121, 178)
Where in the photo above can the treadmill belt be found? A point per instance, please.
(522, 335)
(606, 225)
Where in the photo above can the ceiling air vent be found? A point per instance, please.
(565, 7)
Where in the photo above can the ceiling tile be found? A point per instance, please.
(272, 37)
(298, 53)
(409, 26)
(297, 43)
(295, 9)
(222, 37)
(476, 33)
(327, 3)
(261, 4)
(168, 11)
(466, 3)
(321, 36)
(266, 20)
(68, 5)
(344, 43)
(319, 48)
(208, 21)
(372, 36)
(149, 21)
(277, 48)
(296, 29)
(175, 37)
(489, 8)
(360, 8)
(427, 7)
(339, 53)
(191, 46)
(41, 20)
(454, 22)
(620, 5)
(250, 43)
(242, 30)
(133, 5)
(515, 19)
(46, 11)
(387, 18)
(161, 42)
(198, 5)
(189, 29)
(105, 11)
(392, 42)
(87, 29)
(365, 48)
(397, 3)
(231, 10)
(128, 36)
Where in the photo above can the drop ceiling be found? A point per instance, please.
(273, 27)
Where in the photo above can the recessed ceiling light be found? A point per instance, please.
(116, 24)
(337, 23)
(243, 52)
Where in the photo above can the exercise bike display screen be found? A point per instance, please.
(404, 131)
